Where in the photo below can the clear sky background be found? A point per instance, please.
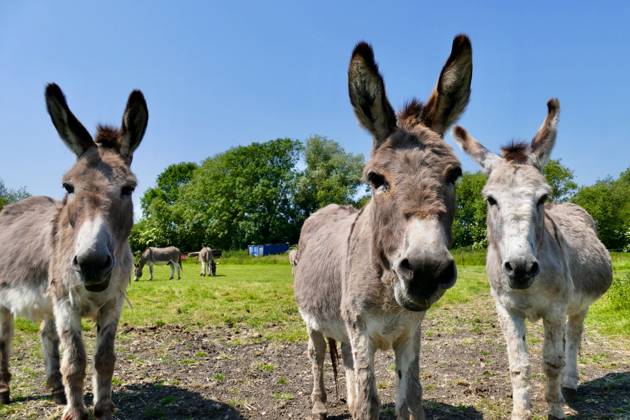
(221, 74)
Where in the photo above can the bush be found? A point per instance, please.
(619, 292)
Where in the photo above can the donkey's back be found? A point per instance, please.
(589, 260)
(320, 264)
(25, 235)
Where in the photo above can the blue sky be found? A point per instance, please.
(220, 74)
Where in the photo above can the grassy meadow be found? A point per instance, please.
(257, 294)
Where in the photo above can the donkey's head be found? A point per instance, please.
(412, 172)
(516, 192)
(96, 217)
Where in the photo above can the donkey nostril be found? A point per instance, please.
(535, 268)
(508, 267)
(75, 261)
(405, 264)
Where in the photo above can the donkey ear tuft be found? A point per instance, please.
(71, 131)
(367, 94)
(452, 92)
(134, 123)
(545, 137)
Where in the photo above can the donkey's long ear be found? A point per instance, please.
(71, 131)
(450, 95)
(367, 94)
(485, 158)
(134, 124)
(545, 137)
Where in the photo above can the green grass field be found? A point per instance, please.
(257, 293)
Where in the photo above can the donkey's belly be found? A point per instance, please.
(27, 300)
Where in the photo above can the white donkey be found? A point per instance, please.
(544, 261)
(63, 260)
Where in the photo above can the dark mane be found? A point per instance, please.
(517, 152)
(107, 136)
(409, 116)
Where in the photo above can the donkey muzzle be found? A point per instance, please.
(521, 272)
(425, 279)
(95, 269)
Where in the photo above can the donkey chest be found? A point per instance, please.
(385, 331)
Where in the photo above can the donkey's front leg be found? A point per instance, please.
(6, 335)
(553, 355)
(104, 359)
(73, 360)
(514, 331)
(366, 404)
(50, 347)
(150, 271)
(409, 392)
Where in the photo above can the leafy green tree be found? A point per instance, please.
(561, 180)
(8, 195)
(608, 202)
(244, 195)
(169, 183)
(469, 226)
(331, 175)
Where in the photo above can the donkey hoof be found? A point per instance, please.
(569, 394)
(4, 397)
(104, 410)
(59, 397)
(319, 411)
(74, 413)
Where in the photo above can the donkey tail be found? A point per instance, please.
(334, 360)
(181, 258)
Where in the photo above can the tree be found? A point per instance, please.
(331, 175)
(169, 183)
(608, 202)
(8, 195)
(561, 180)
(469, 226)
(244, 195)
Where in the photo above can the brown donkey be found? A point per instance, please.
(366, 277)
(71, 259)
(544, 261)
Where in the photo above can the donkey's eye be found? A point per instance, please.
(127, 190)
(491, 200)
(453, 174)
(542, 200)
(68, 187)
(378, 181)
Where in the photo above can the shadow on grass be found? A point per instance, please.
(157, 401)
(606, 397)
(432, 409)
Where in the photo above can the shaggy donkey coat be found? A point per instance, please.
(366, 277)
(62, 261)
(544, 261)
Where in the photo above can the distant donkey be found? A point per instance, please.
(544, 261)
(71, 259)
(151, 256)
(366, 277)
(208, 265)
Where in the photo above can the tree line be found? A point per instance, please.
(263, 192)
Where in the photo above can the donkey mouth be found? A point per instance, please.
(97, 287)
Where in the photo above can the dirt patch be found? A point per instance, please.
(229, 373)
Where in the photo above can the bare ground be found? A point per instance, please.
(228, 373)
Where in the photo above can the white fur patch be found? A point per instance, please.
(92, 235)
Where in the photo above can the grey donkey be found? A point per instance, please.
(64, 260)
(365, 278)
(544, 261)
